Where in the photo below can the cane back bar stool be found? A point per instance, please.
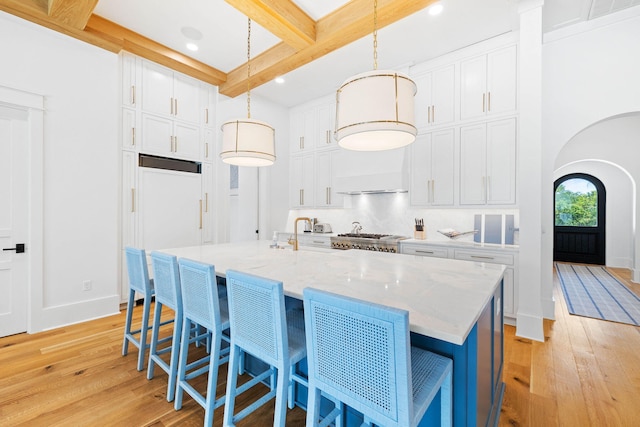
(359, 354)
(201, 306)
(261, 327)
(139, 281)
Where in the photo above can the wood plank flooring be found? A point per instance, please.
(587, 373)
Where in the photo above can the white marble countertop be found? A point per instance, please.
(452, 243)
(444, 297)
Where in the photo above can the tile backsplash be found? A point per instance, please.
(391, 214)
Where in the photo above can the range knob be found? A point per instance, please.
(392, 250)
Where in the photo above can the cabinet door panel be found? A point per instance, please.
(326, 125)
(501, 162)
(443, 96)
(501, 83)
(169, 203)
(187, 141)
(473, 165)
(302, 170)
(473, 84)
(423, 100)
(421, 170)
(186, 94)
(442, 167)
(207, 203)
(157, 133)
(157, 89)
(323, 179)
(128, 129)
(128, 80)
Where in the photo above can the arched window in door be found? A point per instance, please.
(579, 212)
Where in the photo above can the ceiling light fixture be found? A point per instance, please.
(279, 80)
(375, 110)
(248, 142)
(435, 9)
(192, 47)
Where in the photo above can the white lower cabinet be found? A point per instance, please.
(508, 258)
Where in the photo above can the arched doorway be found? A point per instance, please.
(579, 219)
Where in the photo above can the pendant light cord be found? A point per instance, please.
(249, 69)
(375, 34)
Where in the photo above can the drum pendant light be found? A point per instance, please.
(248, 142)
(375, 110)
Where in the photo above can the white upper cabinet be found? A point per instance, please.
(169, 138)
(128, 68)
(208, 102)
(488, 84)
(301, 185)
(325, 193)
(488, 163)
(432, 169)
(312, 127)
(435, 99)
(326, 119)
(170, 94)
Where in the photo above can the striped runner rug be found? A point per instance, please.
(592, 291)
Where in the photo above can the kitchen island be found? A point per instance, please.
(455, 307)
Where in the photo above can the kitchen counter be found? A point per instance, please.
(455, 308)
(444, 297)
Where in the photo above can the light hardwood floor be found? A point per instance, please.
(587, 373)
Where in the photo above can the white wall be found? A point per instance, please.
(614, 143)
(239, 211)
(81, 173)
(590, 73)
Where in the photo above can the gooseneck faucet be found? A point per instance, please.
(294, 241)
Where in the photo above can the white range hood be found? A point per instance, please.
(366, 172)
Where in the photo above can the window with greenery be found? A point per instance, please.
(576, 203)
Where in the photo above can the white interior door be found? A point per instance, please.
(14, 141)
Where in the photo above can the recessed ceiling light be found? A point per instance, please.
(435, 9)
(191, 33)
(192, 46)
(279, 80)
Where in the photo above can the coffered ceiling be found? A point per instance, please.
(313, 44)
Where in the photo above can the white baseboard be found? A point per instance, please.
(529, 326)
(549, 308)
(69, 314)
(635, 275)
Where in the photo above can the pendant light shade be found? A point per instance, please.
(375, 111)
(248, 142)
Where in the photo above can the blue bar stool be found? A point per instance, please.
(166, 277)
(359, 354)
(201, 306)
(261, 327)
(138, 282)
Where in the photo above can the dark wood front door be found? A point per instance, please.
(579, 218)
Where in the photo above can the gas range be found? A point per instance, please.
(367, 241)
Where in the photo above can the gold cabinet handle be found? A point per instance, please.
(328, 137)
(175, 144)
(206, 115)
(429, 114)
(200, 214)
(302, 142)
(176, 107)
(483, 101)
(206, 202)
(489, 101)
(171, 105)
(433, 114)
(206, 150)
(133, 95)
(133, 200)
(133, 137)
